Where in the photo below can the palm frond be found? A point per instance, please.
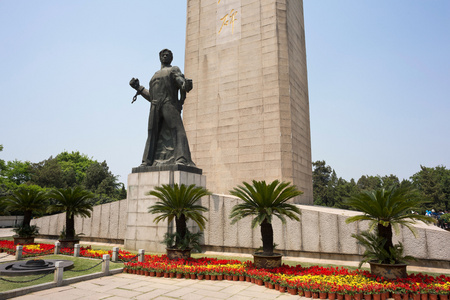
(390, 208)
(387, 207)
(26, 199)
(177, 200)
(74, 201)
(263, 201)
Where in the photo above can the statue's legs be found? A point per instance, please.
(145, 157)
(150, 145)
(172, 117)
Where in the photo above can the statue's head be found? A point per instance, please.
(166, 53)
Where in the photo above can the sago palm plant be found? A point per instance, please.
(375, 252)
(179, 203)
(386, 209)
(75, 202)
(263, 201)
(26, 200)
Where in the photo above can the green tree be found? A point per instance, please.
(368, 183)
(123, 192)
(179, 203)
(17, 172)
(2, 163)
(434, 186)
(12, 174)
(75, 169)
(75, 202)
(67, 169)
(263, 201)
(389, 181)
(27, 200)
(74, 164)
(386, 209)
(329, 189)
(48, 173)
(321, 178)
(341, 191)
(5, 184)
(331, 193)
(100, 180)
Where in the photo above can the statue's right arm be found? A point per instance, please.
(134, 83)
(145, 93)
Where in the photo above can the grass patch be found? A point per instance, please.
(108, 248)
(79, 264)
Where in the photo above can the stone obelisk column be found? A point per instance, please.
(248, 114)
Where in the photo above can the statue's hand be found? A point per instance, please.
(134, 83)
(188, 85)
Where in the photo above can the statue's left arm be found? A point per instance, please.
(184, 84)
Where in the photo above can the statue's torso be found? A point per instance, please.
(163, 86)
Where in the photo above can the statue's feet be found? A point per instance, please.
(184, 162)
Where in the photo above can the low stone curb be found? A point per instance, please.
(49, 285)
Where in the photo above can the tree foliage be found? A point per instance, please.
(17, 172)
(2, 162)
(434, 186)
(431, 184)
(66, 170)
(48, 174)
(329, 189)
(74, 163)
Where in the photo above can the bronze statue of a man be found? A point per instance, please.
(167, 142)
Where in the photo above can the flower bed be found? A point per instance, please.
(309, 282)
(312, 281)
(32, 250)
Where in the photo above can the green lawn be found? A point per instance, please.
(79, 264)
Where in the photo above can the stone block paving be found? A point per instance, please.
(5, 257)
(128, 286)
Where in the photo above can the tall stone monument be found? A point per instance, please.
(248, 117)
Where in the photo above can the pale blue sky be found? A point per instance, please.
(378, 72)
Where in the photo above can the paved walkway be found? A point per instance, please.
(6, 232)
(128, 286)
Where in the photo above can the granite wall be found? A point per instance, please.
(10, 221)
(107, 223)
(321, 233)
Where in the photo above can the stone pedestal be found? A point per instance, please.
(141, 231)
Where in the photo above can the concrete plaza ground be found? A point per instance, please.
(128, 286)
